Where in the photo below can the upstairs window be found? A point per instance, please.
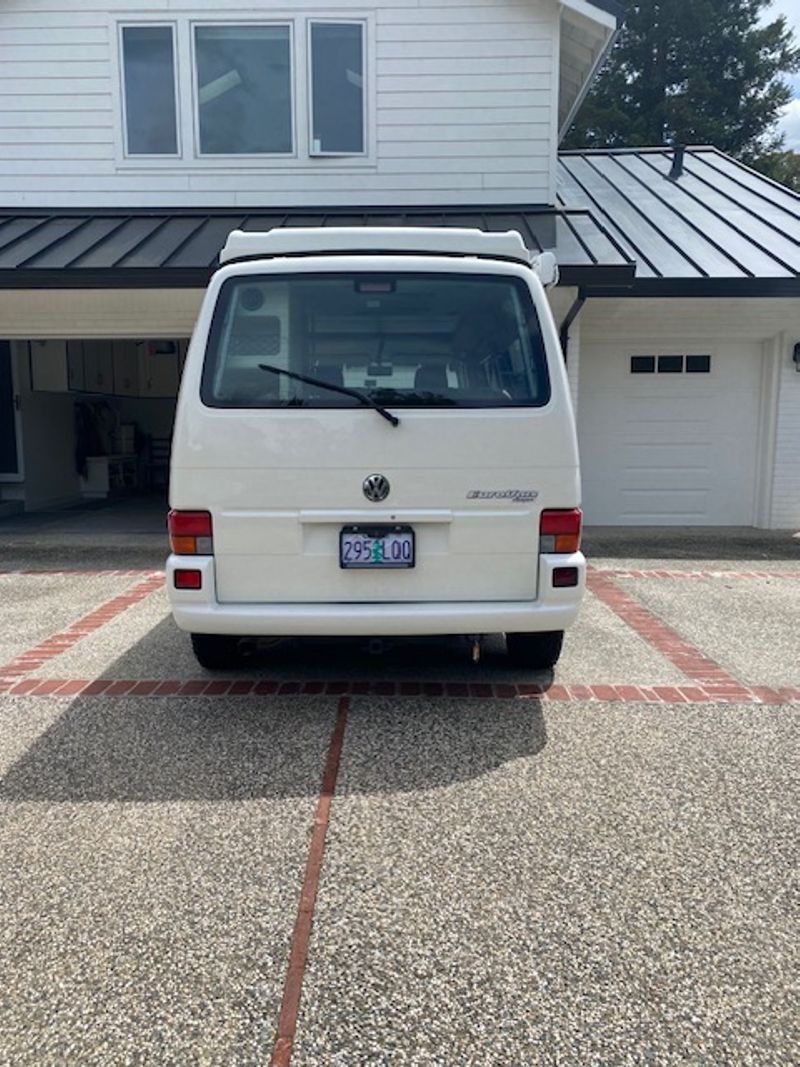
(148, 57)
(243, 89)
(276, 93)
(336, 62)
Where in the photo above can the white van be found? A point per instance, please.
(374, 436)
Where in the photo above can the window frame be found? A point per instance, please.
(312, 21)
(229, 157)
(145, 158)
(188, 160)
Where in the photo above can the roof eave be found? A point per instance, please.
(691, 288)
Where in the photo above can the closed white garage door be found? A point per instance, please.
(668, 436)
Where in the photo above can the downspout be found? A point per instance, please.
(569, 318)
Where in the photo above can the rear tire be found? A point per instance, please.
(216, 652)
(537, 652)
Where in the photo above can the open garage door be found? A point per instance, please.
(668, 437)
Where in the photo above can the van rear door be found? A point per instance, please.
(457, 352)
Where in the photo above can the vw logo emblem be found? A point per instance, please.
(376, 488)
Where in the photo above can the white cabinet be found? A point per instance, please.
(49, 366)
(75, 372)
(116, 368)
(126, 369)
(98, 365)
(159, 371)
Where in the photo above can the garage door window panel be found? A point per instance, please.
(670, 364)
(643, 364)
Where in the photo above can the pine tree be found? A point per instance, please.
(692, 72)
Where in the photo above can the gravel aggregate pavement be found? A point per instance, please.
(33, 608)
(514, 882)
(750, 626)
(150, 858)
(589, 885)
(143, 642)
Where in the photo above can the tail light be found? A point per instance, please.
(563, 577)
(560, 530)
(186, 579)
(190, 533)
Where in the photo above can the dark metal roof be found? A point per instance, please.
(71, 248)
(716, 227)
(622, 223)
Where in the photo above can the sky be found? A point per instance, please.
(790, 121)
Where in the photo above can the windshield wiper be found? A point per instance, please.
(362, 397)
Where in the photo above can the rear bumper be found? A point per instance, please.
(197, 611)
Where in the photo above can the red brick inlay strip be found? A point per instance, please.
(626, 573)
(298, 954)
(77, 572)
(33, 658)
(228, 687)
(684, 656)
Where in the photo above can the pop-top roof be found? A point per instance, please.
(420, 240)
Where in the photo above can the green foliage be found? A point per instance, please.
(692, 72)
(783, 167)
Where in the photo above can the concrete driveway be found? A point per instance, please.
(332, 857)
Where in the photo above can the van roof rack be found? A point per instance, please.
(407, 240)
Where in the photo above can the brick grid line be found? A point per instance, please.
(53, 646)
(612, 572)
(253, 687)
(696, 666)
(711, 682)
(77, 572)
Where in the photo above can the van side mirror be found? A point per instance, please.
(546, 266)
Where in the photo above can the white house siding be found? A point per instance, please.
(785, 509)
(561, 299)
(750, 340)
(461, 109)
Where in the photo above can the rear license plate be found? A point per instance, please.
(379, 547)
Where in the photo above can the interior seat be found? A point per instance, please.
(431, 378)
(328, 372)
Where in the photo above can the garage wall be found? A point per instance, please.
(764, 328)
(48, 443)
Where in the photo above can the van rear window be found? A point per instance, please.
(405, 340)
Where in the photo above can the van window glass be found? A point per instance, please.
(407, 340)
